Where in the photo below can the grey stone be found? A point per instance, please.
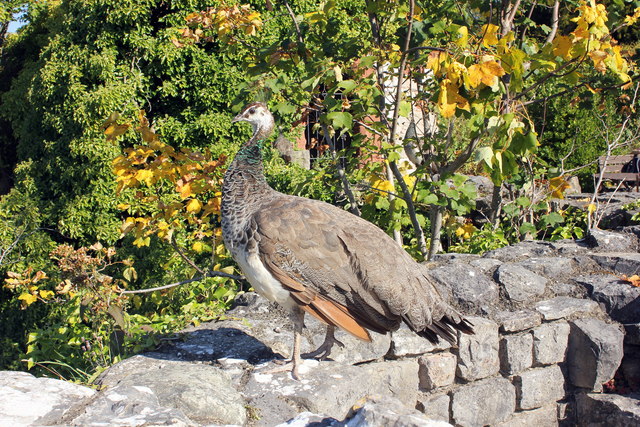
(620, 263)
(551, 267)
(540, 417)
(25, 399)
(620, 300)
(521, 251)
(129, 406)
(550, 343)
(516, 321)
(486, 265)
(478, 354)
(539, 387)
(485, 402)
(569, 247)
(469, 286)
(405, 342)
(436, 370)
(328, 388)
(565, 289)
(435, 407)
(565, 307)
(632, 333)
(386, 411)
(609, 241)
(603, 410)
(515, 353)
(520, 284)
(454, 257)
(203, 393)
(595, 352)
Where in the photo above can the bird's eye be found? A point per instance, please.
(252, 111)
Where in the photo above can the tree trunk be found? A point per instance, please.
(436, 228)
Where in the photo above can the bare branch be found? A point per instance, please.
(184, 282)
(295, 22)
(346, 187)
(555, 19)
(186, 258)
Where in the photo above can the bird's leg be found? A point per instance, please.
(323, 352)
(297, 317)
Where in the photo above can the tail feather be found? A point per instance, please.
(446, 328)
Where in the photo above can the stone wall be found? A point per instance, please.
(546, 339)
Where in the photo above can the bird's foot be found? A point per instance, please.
(323, 352)
(287, 366)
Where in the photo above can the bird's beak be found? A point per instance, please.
(237, 118)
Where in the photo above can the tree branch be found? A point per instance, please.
(184, 282)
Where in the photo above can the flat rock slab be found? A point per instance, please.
(541, 417)
(550, 267)
(609, 241)
(520, 284)
(386, 411)
(594, 354)
(516, 321)
(405, 342)
(621, 263)
(620, 300)
(608, 410)
(550, 343)
(327, 388)
(565, 307)
(522, 250)
(204, 393)
(26, 400)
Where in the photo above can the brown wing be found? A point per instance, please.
(346, 271)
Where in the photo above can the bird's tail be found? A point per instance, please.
(446, 328)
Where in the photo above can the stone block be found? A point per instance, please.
(565, 307)
(515, 353)
(516, 321)
(478, 354)
(550, 343)
(521, 251)
(540, 417)
(520, 284)
(609, 241)
(620, 300)
(436, 370)
(387, 411)
(550, 267)
(328, 387)
(405, 342)
(486, 265)
(620, 263)
(603, 410)
(538, 387)
(485, 402)
(469, 286)
(594, 354)
(435, 407)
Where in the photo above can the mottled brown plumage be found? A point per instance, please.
(313, 257)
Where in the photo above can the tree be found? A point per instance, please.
(477, 65)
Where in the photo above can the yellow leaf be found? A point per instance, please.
(198, 247)
(45, 294)
(591, 208)
(435, 62)
(27, 299)
(220, 250)
(144, 175)
(558, 186)
(185, 190)
(194, 206)
(113, 131)
(463, 36)
(142, 241)
(562, 46)
(465, 231)
(487, 72)
(490, 37)
(598, 57)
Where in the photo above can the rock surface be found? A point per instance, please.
(525, 363)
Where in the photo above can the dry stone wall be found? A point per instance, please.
(548, 334)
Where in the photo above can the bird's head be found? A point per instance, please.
(258, 115)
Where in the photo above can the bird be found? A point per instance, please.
(314, 258)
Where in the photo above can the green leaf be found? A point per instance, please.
(340, 119)
(484, 154)
(347, 86)
(405, 108)
(551, 219)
